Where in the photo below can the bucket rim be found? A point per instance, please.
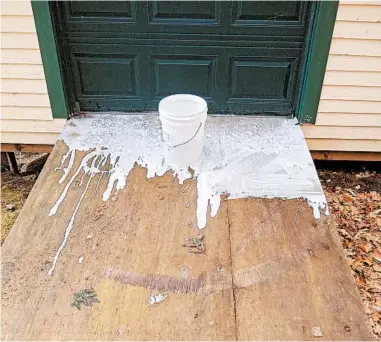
(167, 113)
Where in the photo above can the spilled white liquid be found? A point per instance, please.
(243, 157)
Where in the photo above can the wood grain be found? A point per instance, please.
(29, 138)
(140, 231)
(26, 148)
(333, 155)
(289, 273)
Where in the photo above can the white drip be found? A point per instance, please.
(72, 219)
(67, 169)
(83, 165)
(243, 157)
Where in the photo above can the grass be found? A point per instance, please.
(14, 190)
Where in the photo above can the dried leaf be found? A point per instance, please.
(368, 261)
(375, 213)
(366, 247)
(347, 198)
(360, 282)
(377, 254)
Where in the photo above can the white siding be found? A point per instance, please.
(26, 116)
(349, 114)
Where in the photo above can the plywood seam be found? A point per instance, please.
(233, 287)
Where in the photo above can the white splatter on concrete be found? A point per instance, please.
(243, 157)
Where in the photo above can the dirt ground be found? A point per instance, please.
(15, 190)
(354, 195)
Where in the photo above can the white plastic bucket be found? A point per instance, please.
(183, 119)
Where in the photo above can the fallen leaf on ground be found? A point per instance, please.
(366, 247)
(357, 215)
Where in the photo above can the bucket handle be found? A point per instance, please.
(189, 140)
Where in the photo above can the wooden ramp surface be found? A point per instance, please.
(270, 270)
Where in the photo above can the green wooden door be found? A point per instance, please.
(241, 56)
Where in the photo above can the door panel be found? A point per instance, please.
(189, 10)
(100, 9)
(242, 57)
(281, 11)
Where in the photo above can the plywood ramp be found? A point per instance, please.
(269, 271)
(290, 274)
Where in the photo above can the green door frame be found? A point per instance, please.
(319, 40)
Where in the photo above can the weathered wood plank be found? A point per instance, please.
(335, 155)
(29, 138)
(129, 243)
(270, 271)
(26, 148)
(290, 274)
